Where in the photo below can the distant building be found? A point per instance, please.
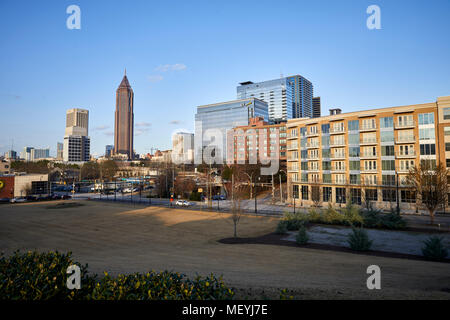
(214, 120)
(124, 120)
(21, 185)
(183, 147)
(5, 167)
(109, 150)
(39, 154)
(11, 155)
(316, 111)
(59, 151)
(76, 146)
(287, 97)
(258, 140)
(26, 153)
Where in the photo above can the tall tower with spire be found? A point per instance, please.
(124, 119)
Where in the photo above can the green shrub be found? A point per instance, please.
(282, 227)
(302, 236)
(195, 196)
(314, 215)
(358, 240)
(434, 248)
(42, 276)
(392, 220)
(351, 215)
(371, 218)
(332, 216)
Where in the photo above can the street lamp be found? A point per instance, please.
(218, 200)
(256, 209)
(281, 188)
(396, 195)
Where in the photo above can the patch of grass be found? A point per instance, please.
(64, 205)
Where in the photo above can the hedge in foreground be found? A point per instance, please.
(42, 276)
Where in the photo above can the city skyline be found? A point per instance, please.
(351, 67)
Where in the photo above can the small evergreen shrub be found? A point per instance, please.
(358, 240)
(281, 227)
(332, 216)
(314, 215)
(434, 248)
(352, 215)
(302, 236)
(392, 220)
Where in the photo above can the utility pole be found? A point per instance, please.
(398, 202)
(273, 190)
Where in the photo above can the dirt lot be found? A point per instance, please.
(122, 238)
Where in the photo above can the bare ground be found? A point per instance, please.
(121, 238)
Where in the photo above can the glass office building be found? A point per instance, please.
(287, 98)
(214, 120)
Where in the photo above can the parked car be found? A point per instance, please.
(18, 199)
(2, 200)
(219, 197)
(182, 203)
(66, 197)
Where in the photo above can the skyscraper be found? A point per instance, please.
(108, 150)
(124, 119)
(287, 97)
(76, 146)
(316, 107)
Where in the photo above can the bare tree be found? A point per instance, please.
(316, 195)
(430, 184)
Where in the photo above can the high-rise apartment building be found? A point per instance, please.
(316, 110)
(287, 98)
(360, 156)
(32, 154)
(124, 120)
(76, 146)
(214, 120)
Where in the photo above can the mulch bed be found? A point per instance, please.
(275, 239)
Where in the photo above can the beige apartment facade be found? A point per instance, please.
(362, 156)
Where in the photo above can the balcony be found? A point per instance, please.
(292, 169)
(340, 143)
(369, 182)
(369, 170)
(340, 181)
(368, 155)
(337, 130)
(292, 146)
(312, 134)
(368, 142)
(405, 139)
(405, 124)
(410, 154)
(292, 135)
(366, 128)
(338, 156)
(313, 169)
(292, 159)
(312, 157)
(403, 170)
(310, 145)
(337, 169)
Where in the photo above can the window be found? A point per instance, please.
(426, 134)
(326, 177)
(303, 132)
(325, 140)
(408, 196)
(387, 122)
(387, 150)
(427, 149)
(353, 151)
(448, 163)
(326, 165)
(388, 165)
(353, 138)
(355, 179)
(404, 121)
(354, 165)
(389, 195)
(325, 153)
(356, 196)
(447, 146)
(305, 193)
(370, 165)
(371, 195)
(405, 150)
(326, 194)
(368, 124)
(426, 118)
(295, 191)
(304, 166)
(428, 163)
(387, 136)
(340, 195)
(388, 179)
(406, 165)
(447, 130)
(353, 125)
(326, 128)
(446, 113)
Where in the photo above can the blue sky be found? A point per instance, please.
(181, 54)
